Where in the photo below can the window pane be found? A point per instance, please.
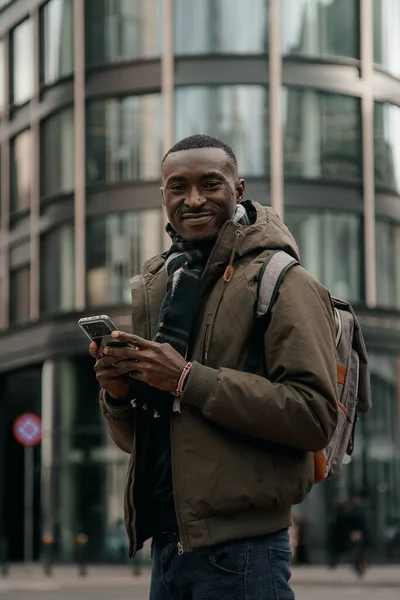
(117, 246)
(57, 153)
(2, 78)
(320, 27)
(19, 295)
(387, 145)
(20, 172)
(387, 35)
(57, 270)
(238, 115)
(322, 135)
(124, 139)
(23, 67)
(57, 40)
(122, 30)
(330, 249)
(388, 263)
(221, 26)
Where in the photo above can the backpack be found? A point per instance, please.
(353, 374)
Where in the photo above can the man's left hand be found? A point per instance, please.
(159, 365)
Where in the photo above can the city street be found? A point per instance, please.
(120, 584)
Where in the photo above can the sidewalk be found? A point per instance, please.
(32, 577)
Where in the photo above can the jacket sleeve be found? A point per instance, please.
(120, 422)
(297, 404)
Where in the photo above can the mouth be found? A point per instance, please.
(197, 219)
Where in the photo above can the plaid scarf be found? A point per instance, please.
(185, 262)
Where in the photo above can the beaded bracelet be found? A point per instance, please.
(182, 379)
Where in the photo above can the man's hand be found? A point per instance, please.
(112, 378)
(159, 365)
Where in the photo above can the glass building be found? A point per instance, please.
(91, 94)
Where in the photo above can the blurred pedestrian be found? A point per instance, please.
(218, 454)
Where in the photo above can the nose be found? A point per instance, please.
(194, 199)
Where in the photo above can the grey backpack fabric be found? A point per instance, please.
(354, 393)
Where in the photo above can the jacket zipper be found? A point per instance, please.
(180, 545)
(228, 274)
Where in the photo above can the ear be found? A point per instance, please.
(162, 192)
(240, 188)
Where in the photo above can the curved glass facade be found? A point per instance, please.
(78, 230)
(387, 35)
(387, 145)
(216, 27)
(236, 114)
(124, 139)
(330, 249)
(116, 249)
(122, 30)
(322, 135)
(57, 40)
(320, 28)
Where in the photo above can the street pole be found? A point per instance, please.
(29, 465)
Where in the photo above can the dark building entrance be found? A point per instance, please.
(20, 393)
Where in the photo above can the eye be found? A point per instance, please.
(177, 187)
(212, 184)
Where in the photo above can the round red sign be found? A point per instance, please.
(27, 429)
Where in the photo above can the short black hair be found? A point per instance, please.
(202, 141)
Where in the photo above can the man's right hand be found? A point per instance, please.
(113, 378)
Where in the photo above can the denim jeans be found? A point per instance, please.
(254, 569)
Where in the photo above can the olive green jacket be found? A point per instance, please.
(242, 446)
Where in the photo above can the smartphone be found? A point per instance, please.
(99, 327)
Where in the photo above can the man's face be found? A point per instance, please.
(200, 191)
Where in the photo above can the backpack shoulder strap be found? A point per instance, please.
(270, 278)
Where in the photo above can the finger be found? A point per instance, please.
(94, 350)
(123, 353)
(130, 338)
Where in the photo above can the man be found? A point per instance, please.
(218, 455)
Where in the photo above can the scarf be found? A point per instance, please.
(185, 263)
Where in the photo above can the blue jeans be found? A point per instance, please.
(255, 569)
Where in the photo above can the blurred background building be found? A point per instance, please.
(92, 93)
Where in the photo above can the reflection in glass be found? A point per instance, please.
(238, 115)
(57, 269)
(320, 27)
(122, 30)
(21, 153)
(387, 145)
(387, 35)
(330, 249)
(57, 149)
(22, 62)
(388, 263)
(124, 139)
(382, 461)
(221, 26)
(57, 40)
(117, 247)
(322, 135)
(19, 295)
(91, 470)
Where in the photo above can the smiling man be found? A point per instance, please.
(218, 455)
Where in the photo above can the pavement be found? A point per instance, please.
(119, 583)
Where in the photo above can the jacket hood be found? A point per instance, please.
(268, 232)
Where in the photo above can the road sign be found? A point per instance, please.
(28, 429)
